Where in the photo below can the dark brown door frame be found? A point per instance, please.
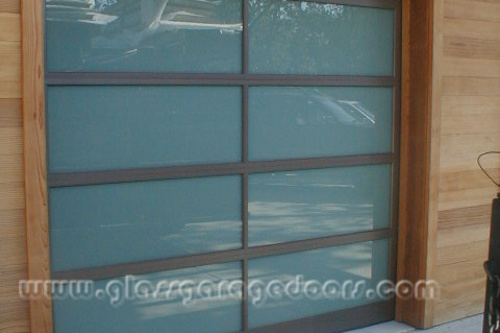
(415, 234)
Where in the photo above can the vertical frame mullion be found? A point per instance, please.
(245, 41)
(396, 139)
(244, 152)
(244, 301)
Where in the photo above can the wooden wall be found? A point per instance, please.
(466, 110)
(13, 311)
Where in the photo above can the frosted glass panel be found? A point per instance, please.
(300, 122)
(299, 37)
(110, 224)
(295, 205)
(144, 35)
(156, 315)
(102, 128)
(366, 263)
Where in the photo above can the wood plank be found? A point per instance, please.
(10, 6)
(471, 48)
(10, 89)
(461, 235)
(470, 125)
(11, 175)
(488, 1)
(11, 162)
(461, 9)
(466, 198)
(13, 249)
(460, 273)
(10, 112)
(462, 217)
(471, 86)
(460, 151)
(14, 325)
(12, 223)
(471, 67)
(462, 253)
(467, 179)
(10, 27)
(34, 160)
(11, 140)
(451, 292)
(471, 29)
(463, 305)
(14, 317)
(11, 196)
(470, 105)
(11, 274)
(10, 66)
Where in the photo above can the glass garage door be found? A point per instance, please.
(220, 166)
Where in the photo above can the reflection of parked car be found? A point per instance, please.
(344, 111)
(313, 106)
(313, 122)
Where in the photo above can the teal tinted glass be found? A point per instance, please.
(304, 283)
(178, 308)
(102, 128)
(110, 224)
(299, 37)
(144, 35)
(296, 205)
(301, 122)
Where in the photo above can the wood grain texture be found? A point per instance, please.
(415, 155)
(14, 312)
(454, 27)
(464, 217)
(10, 27)
(471, 86)
(466, 179)
(435, 153)
(10, 50)
(472, 67)
(471, 48)
(469, 105)
(470, 100)
(466, 9)
(10, 6)
(34, 160)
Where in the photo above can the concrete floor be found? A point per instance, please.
(472, 324)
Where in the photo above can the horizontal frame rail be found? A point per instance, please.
(152, 79)
(175, 172)
(383, 4)
(145, 267)
(338, 321)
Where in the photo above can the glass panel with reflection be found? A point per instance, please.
(303, 122)
(144, 35)
(309, 283)
(115, 127)
(302, 37)
(177, 306)
(120, 223)
(296, 205)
